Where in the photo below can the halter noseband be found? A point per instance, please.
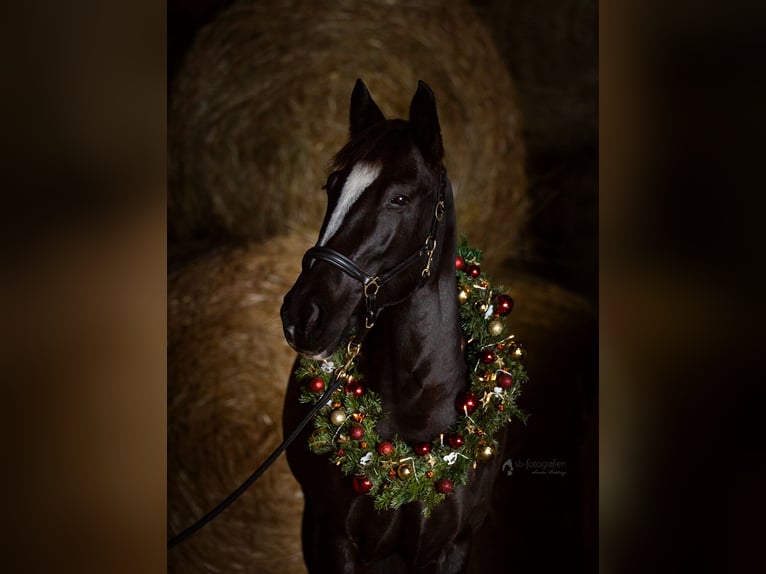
(371, 284)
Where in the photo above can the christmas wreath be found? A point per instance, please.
(391, 470)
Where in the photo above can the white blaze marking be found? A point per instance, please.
(360, 178)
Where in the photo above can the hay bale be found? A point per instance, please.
(228, 367)
(260, 105)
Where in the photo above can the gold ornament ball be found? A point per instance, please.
(484, 452)
(404, 471)
(518, 352)
(495, 328)
(481, 306)
(463, 293)
(338, 417)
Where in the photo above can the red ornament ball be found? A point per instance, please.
(456, 440)
(362, 484)
(504, 380)
(316, 384)
(459, 263)
(444, 486)
(356, 432)
(473, 271)
(487, 356)
(385, 448)
(353, 386)
(503, 304)
(467, 402)
(422, 448)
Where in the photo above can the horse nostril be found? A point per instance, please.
(314, 316)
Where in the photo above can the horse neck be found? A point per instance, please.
(413, 355)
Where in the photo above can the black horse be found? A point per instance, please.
(390, 212)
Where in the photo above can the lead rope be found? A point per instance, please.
(371, 286)
(353, 349)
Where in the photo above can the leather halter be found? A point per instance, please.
(371, 284)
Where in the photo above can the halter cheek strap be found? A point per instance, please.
(371, 284)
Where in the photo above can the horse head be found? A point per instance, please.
(385, 199)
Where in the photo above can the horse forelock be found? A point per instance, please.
(376, 142)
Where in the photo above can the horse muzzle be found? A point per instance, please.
(313, 322)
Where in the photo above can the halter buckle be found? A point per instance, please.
(430, 248)
(374, 282)
(369, 297)
(352, 349)
(439, 210)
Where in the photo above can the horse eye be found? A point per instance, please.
(332, 181)
(400, 200)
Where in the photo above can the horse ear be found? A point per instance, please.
(364, 111)
(425, 123)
